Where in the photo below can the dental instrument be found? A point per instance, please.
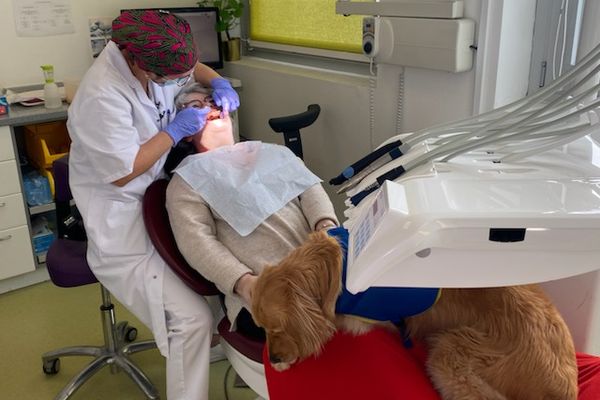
(542, 109)
(529, 109)
(508, 197)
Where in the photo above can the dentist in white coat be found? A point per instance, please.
(123, 123)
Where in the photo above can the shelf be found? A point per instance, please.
(44, 208)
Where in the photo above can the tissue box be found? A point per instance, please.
(42, 235)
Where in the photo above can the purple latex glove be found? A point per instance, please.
(224, 95)
(187, 122)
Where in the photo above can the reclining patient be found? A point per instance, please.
(235, 208)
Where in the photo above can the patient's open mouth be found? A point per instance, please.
(215, 113)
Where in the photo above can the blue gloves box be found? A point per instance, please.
(37, 189)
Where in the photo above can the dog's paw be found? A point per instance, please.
(282, 366)
(352, 325)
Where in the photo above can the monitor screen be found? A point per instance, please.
(203, 22)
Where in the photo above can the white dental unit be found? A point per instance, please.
(508, 197)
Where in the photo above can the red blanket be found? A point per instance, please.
(378, 366)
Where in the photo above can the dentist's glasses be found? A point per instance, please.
(201, 102)
(181, 81)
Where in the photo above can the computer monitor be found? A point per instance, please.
(203, 22)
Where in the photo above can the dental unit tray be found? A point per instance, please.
(504, 198)
(475, 223)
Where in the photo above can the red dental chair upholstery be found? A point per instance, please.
(377, 366)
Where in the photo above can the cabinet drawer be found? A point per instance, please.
(6, 146)
(9, 178)
(16, 255)
(12, 211)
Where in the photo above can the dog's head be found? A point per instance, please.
(294, 301)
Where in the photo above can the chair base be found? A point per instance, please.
(114, 353)
(103, 357)
(250, 371)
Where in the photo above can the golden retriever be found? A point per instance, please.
(497, 343)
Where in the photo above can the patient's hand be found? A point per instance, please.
(325, 224)
(244, 287)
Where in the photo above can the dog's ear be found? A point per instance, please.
(269, 287)
(310, 325)
(328, 260)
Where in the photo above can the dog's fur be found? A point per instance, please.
(499, 343)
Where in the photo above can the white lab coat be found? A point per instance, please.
(110, 117)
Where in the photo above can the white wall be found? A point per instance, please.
(430, 97)
(504, 52)
(70, 54)
(518, 18)
(338, 137)
(590, 32)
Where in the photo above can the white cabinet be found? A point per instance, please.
(6, 145)
(16, 255)
(15, 252)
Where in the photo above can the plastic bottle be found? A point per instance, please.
(51, 96)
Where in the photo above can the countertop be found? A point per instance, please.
(21, 115)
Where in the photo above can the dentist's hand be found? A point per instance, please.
(224, 95)
(187, 122)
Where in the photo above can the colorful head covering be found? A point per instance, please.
(159, 41)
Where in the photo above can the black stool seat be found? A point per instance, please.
(67, 265)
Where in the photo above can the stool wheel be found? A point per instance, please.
(126, 333)
(51, 367)
(131, 334)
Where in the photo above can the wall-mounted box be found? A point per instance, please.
(441, 44)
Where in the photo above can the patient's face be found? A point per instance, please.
(218, 130)
(201, 100)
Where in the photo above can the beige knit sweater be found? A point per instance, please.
(221, 255)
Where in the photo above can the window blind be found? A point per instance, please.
(307, 23)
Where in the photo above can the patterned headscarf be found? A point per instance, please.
(159, 41)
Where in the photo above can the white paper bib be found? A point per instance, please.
(247, 182)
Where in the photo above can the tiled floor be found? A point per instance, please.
(45, 317)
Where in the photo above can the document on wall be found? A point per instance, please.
(43, 17)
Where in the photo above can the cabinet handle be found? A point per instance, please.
(7, 237)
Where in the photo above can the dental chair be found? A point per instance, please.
(244, 352)
(67, 267)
